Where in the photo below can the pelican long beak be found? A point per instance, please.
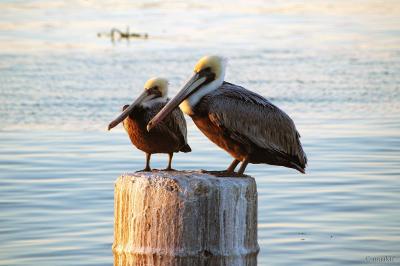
(126, 112)
(195, 82)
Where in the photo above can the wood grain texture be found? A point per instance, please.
(185, 218)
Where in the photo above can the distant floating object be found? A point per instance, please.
(168, 137)
(243, 123)
(118, 34)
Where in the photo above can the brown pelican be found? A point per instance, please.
(167, 137)
(243, 123)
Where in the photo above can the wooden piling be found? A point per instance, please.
(185, 218)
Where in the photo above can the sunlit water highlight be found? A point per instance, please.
(334, 69)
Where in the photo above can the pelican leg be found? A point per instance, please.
(228, 172)
(243, 166)
(169, 168)
(147, 169)
(232, 167)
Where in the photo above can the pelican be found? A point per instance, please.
(167, 137)
(246, 125)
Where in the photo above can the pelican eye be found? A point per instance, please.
(154, 91)
(207, 69)
(208, 73)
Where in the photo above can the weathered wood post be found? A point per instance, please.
(185, 218)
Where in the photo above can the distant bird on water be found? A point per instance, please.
(243, 123)
(167, 137)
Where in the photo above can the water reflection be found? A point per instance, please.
(332, 67)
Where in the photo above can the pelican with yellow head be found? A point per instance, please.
(168, 136)
(243, 123)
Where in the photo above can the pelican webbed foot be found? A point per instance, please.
(169, 169)
(223, 173)
(145, 170)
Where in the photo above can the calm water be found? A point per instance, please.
(334, 67)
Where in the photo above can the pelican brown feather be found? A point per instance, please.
(168, 136)
(265, 133)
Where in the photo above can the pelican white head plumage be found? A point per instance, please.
(155, 91)
(209, 74)
(157, 83)
(213, 64)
